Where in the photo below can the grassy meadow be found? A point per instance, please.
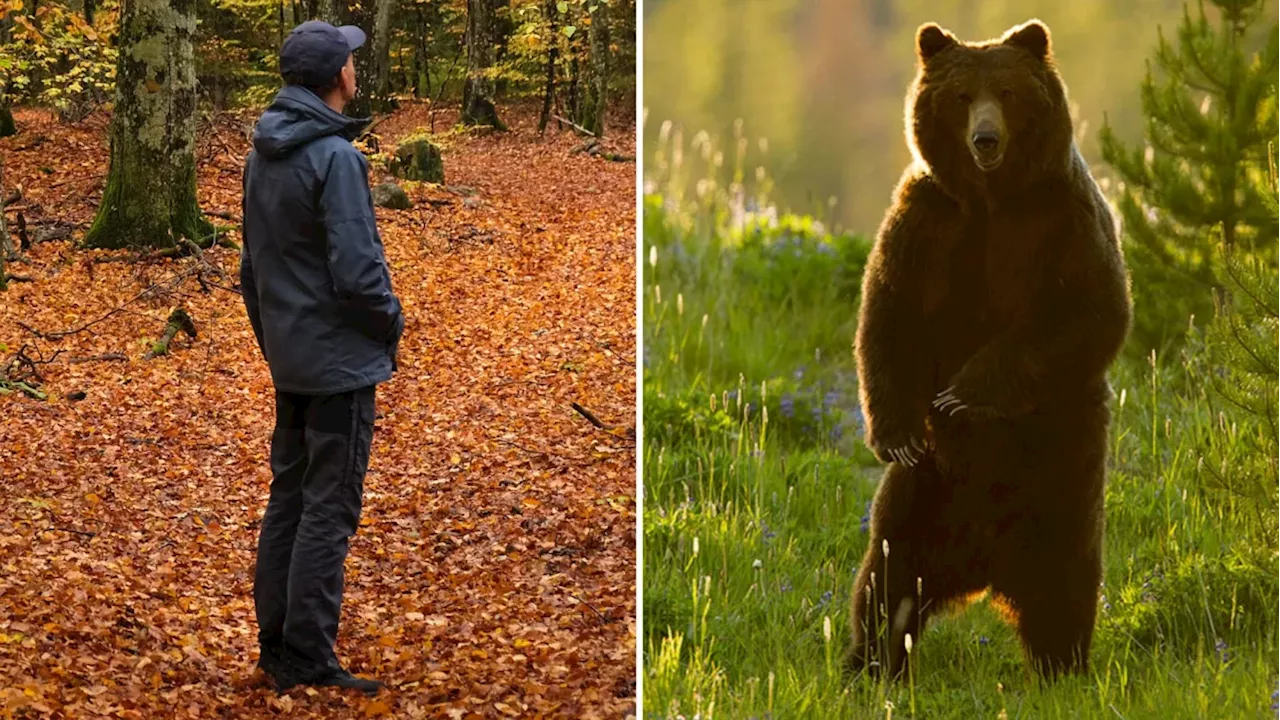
(757, 488)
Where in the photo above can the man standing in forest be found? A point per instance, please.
(318, 294)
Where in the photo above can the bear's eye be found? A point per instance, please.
(965, 98)
(1006, 94)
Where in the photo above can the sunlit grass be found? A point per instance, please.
(757, 487)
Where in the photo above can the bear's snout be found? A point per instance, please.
(986, 134)
(986, 140)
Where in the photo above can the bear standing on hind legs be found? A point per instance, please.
(993, 303)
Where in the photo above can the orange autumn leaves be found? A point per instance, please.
(494, 571)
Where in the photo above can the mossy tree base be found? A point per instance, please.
(150, 197)
(478, 109)
(418, 159)
(477, 89)
(7, 126)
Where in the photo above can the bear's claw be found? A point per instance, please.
(908, 455)
(947, 400)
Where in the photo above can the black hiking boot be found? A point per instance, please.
(272, 662)
(288, 670)
(340, 678)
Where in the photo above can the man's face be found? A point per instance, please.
(347, 83)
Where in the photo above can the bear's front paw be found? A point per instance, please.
(909, 453)
(950, 402)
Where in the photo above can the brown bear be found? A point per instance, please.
(993, 302)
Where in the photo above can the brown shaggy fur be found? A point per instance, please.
(1007, 288)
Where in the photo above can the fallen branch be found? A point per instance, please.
(629, 432)
(518, 446)
(60, 183)
(96, 358)
(179, 321)
(575, 126)
(18, 278)
(73, 531)
(603, 619)
(7, 387)
(19, 373)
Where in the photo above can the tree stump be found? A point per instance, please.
(418, 159)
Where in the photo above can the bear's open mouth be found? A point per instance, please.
(987, 164)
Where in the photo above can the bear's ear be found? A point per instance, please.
(1031, 36)
(931, 40)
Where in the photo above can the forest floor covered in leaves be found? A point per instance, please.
(494, 571)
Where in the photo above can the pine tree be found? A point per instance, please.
(1242, 362)
(1210, 114)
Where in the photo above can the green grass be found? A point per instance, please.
(757, 485)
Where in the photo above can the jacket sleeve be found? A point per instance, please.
(356, 262)
(248, 283)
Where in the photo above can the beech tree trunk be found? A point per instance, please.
(477, 91)
(326, 10)
(363, 14)
(421, 66)
(150, 195)
(598, 98)
(548, 95)
(382, 52)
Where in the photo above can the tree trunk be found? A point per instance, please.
(382, 51)
(363, 14)
(421, 68)
(575, 76)
(329, 11)
(553, 51)
(7, 126)
(150, 196)
(89, 8)
(598, 101)
(477, 91)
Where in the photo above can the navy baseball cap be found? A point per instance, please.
(316, 51)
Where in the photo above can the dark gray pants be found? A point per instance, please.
(319, 455)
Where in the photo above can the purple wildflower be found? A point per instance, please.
(766, 533)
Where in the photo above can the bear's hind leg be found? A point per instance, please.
(1055, 617)
(894, 595)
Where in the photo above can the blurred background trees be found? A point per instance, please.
(62, 53)
(824, 80)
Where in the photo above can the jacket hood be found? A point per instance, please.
(296, 117)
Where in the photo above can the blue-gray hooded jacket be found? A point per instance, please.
(312, 270)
